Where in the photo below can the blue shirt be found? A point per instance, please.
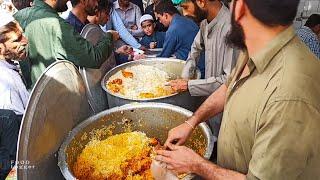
(75, 22)
(179, 37)
(310, 39)
(156, 37)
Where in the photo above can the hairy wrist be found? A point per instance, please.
(197, 166)
(193, 120)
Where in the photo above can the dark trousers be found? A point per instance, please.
(9, 131)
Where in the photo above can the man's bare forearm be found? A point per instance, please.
(211, 107)
(208, 170)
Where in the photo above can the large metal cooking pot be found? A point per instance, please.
(155, 119)
(92, 77)
(172, 66)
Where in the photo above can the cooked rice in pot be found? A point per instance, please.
(122, 156)
(140, 82)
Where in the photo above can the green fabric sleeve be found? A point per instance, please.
(71, 46)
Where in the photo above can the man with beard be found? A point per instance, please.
(51, 38)
(271, 103)
(219, 57)
(13, 93)
(81, 10)
(190, 9)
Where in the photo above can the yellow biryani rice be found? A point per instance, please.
(122, 156)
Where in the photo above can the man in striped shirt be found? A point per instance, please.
(309, 34)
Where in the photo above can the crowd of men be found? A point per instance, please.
(260, 82)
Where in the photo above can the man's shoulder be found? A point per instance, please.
(135, 7)
(177, 18)
(304, 29)
(307, 35)
(37, 16)
(6, 76)
(70, 16)
(23, 12)
(296, 55)
(53, 26)
(222, 25)
(184, 23)
(299, 73)
(160, 34)
(35, 12)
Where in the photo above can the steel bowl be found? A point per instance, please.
(172, 66)
(154, 119)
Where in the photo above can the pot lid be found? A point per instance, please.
(58, 102)
(92, 77)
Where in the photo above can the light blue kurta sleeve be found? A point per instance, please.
(123, 32)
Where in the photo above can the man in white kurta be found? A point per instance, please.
(13, 93)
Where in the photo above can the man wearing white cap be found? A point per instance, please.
(152, 38)
(13, 93)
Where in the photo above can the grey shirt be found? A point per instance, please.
(131, 16)
(219, 58)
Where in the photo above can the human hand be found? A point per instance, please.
(139, 56)
(179, 159)
(115, 35)
(179, 134)
(143, 48)
(179, 85)
(125, 49)
(153, 45)
(134, 27)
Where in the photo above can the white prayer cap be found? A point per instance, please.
(146, 17)
(5, 18)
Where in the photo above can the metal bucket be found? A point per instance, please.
(154, 119)
(171, 66)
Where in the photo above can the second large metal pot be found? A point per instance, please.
(172, 66)
(154, 119)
